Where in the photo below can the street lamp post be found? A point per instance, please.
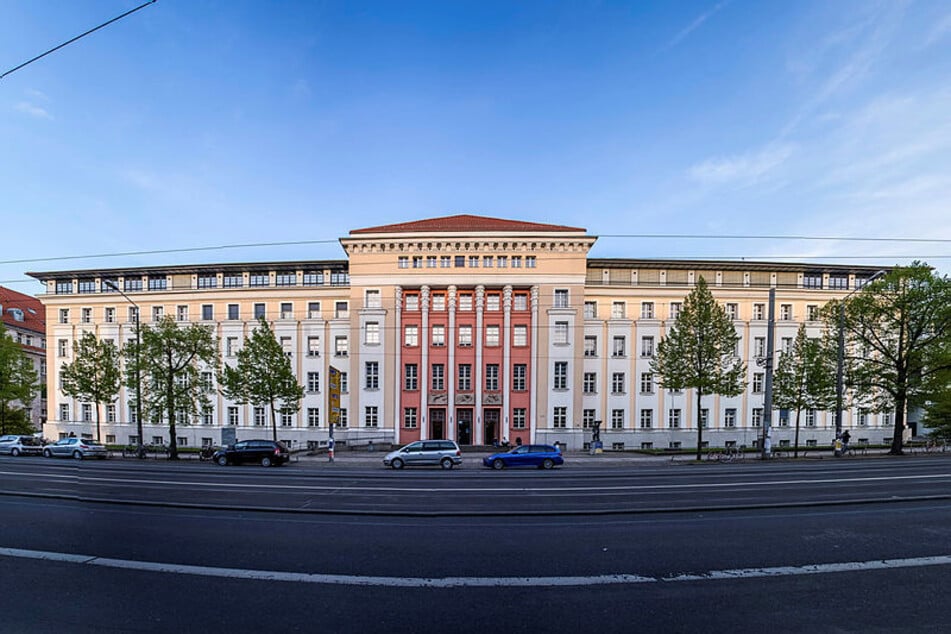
(841, 356)
(139, 449)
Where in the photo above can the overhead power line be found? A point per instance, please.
(686, 236)
(78, 37)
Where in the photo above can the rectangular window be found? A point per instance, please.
(234, 312)
(207, 418)
(207, 281)
(647, 310)
(759, 312)
(371, 416)
(503, 261)
(810, 417)
(812, 280)
(64, 412)
(132, 284)
(619, 348)
(313, 382)
(757, 417)
(647, 346)
(313, 346)
(259, 311)
(519, 371)
(372, 332)
(732, 311)
(492, 377)
(560, 375)
(313, 278)
(343, 418)
(411, 377)
(259, 279)
(589, 383)
(786, 345)
(231, 346)
(439, 335)
(839, 282)
(417, 261)
(758, 380)
(487, 261)
(411, 335)
(287, 310)
(410, 417)
(313, 310)
(785, 312)
(518, 418)
(62, 348)
(520, 301)
(207, 382)
(341, 310)
(618, 310)
(86, 315)
(561, 298)
(729, 417)
(812, 312)
(64, 315)
(647, 418)
(519, 335)
(438, 377)
(313, 417)
(285, 279)
(155, 284)
(673, 418)
(465, 302)
(207, 312)
(341, 346)
(232, 415)
(590, 310)
(157, 313)
(373, 299)
(110, 315)
(759, 346)
(675, 308)
(110, 413)
(233, 280)
(344, 383)
(181, 313)
(617, 419)
(530, 261)
(411, 302)
(258, 416)
(438, 302)
(516, 261)
(65, 288)
(588, 416)
(493, 302)
(491, 336)
(431, 261)
(465, 336)
(372, 375)
(445, 261)
(403, 261)
(704, 417)
(618, 383)
(559, 417)
(460, 261)
(590, 346)
(647, 383)
(561, 333)
(465, 377)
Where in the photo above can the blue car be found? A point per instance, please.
(539, 456)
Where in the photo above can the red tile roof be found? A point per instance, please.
(34, 314)
(463, 223)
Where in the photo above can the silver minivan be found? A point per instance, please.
(444, 453)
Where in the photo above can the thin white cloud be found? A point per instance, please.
(744, 169)
(33, 110)
(696, 24)
(37, 94)
(940, 29)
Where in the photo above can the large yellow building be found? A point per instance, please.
(463, 327)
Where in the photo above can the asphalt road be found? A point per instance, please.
(752, 565)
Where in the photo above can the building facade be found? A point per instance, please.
(25, 320)
(469, 328)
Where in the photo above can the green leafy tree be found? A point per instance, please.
(938, 413)
(19, 383)
(170, 364)
(897, 340)
(698, 352)
(94, 376)
(263, 376)
(804, 379)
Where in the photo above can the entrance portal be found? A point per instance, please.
(464, 426)
(491, 433)
(437, 424)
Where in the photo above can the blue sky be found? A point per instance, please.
(201, 123)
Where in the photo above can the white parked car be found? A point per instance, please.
(16, 445)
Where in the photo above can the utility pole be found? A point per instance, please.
(766, 445)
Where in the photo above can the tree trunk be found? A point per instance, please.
(896, 449)
(699, 426)
(273, 423)
(170, 406)
(796, 441)
(98, 420)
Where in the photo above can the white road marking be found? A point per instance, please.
(633, 487)
(473, 582)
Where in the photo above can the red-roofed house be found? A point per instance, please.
(24, 317)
